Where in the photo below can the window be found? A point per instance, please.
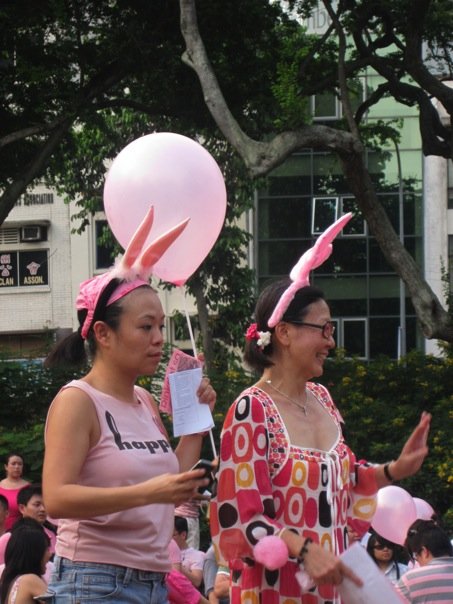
(356, 226)
(351, 334)
(104, 251)
(450, 261)
(325, 212)
(450, 185)
(180, 329)
(325, 106)
(354, 335)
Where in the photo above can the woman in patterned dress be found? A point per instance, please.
(284, 467)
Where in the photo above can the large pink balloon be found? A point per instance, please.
(180, 179)
(423, 509)
(395, 512)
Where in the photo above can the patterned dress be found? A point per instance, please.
(266, 483)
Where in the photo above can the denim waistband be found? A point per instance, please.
(124, 574)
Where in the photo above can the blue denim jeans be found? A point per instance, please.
(89, 582)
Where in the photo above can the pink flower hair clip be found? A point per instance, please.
(311, 259)
(263, 338)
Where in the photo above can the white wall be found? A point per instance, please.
(36, 308)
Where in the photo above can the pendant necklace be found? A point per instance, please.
(300, 406)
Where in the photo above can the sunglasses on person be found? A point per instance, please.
(327, 329)
(381, 546)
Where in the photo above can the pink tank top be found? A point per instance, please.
(132, 448)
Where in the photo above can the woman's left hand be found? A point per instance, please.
(206, 393)
(414, 451)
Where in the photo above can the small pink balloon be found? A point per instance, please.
(423, 509)
(181, 180)
(395, 512)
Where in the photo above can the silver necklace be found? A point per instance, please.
(300, 406)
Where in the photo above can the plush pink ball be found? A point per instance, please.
(271, 552)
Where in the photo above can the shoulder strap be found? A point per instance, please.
(145, 397)
(13, 590)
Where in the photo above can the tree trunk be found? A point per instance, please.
(261, 157)
(203, 319)
(434, 319)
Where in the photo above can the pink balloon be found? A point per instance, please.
(395, 512)
(423, 509)
(180, 179)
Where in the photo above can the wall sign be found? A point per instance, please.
(24, 269)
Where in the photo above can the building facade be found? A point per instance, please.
(308, 192)
(43, 259)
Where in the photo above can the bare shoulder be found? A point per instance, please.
(73, 404)
(30, 586)
(72, 416)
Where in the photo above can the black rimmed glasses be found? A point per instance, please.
(327, 330)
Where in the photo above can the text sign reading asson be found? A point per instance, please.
(24, 269)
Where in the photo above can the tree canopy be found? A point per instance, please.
(80, 80)
(388, 37)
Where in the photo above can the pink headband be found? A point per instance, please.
(311, 259)
(134, 269)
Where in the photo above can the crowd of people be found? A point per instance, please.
(421, 570)
(112, 479)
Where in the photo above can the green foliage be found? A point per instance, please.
(381, 403)
(447, 287)
(294, 108)
(26, 391)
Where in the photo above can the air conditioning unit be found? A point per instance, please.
(32, 232)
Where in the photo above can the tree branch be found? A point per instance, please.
(99, 84)
(259, 157)
(14, 137)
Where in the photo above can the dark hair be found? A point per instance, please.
(23, 554)
(13, 454)
(25, 494)
(4, 503)
(267, 301)
(427, 533)
(181, 524)
(376, 539)
(71, 350)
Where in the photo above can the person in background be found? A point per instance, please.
(353, 535)
(3, 514)
(190, 510)
(180, 588)
(110, 474)
(285, 469)
(26, 556)
(216, 579)
(192, 560)
(11, 485)
(31, 505)
(30, 522)
(432, 581)
(209, 573)
(384, 553)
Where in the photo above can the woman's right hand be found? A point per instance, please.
(175, 488)
(325, 568)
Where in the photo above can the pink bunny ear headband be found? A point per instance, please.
(311, 259)
(133, 270)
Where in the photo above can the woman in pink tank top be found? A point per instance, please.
(11, 485)
(110, 474)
